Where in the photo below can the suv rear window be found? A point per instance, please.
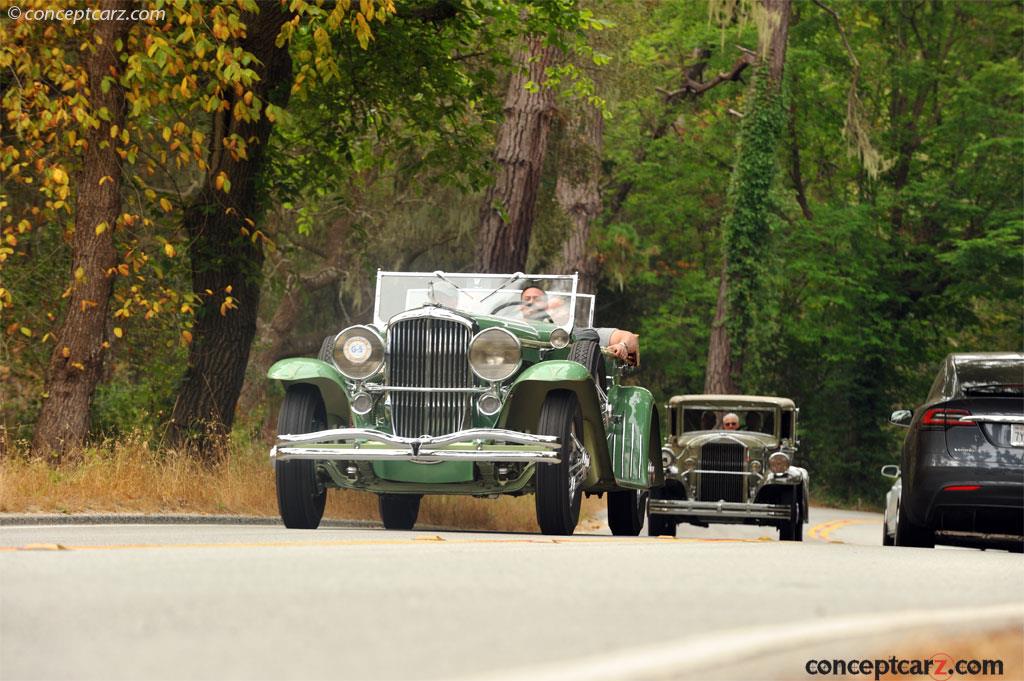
(991, 377)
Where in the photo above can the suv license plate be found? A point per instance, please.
(1016, 435)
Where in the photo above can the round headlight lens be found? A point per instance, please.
(666, 458)
(494, 354)
(361, 404)
(489, 405)
(358, 352)
(778, 462)
(559, 338)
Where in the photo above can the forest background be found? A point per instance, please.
(186, 199)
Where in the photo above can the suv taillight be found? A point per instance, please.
(941, 416)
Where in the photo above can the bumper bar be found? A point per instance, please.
(719, 509)
(365, 444)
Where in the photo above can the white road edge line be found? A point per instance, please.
(732, 646)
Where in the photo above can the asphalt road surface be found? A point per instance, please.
(262, 602)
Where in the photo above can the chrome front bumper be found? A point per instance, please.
(719, 509)
(365, 444)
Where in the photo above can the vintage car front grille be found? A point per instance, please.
(725, 457)
(429, 353)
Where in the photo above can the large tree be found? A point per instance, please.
(746, 230)
(509, 206)
(76, 363)
(226, 260)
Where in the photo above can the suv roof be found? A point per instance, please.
(960, 370)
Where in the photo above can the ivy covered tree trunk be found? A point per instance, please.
(746, 231)
(76, 364)
(509, 207)
(578, 192)
(226, 260)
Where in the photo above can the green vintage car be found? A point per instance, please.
(459, 387)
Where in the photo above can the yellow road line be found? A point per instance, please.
(823, 531)
(372, 542)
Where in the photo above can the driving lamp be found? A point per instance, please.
(778, 463)
(489, 404)
(559, 338)
(494, 354)
(361, 404)
(358, 352)
(666, 458)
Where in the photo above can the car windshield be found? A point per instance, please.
(540, 298)
(757, 420)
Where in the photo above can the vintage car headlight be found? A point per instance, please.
(778, 462)
(494, 354)
(667, 457)
(361, 404)
(358, 352)
(559, 338)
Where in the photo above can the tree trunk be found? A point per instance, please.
(76, 364)
(718, 377)
(746, 233)
(577, 191)
(507, 213)
(226, 262)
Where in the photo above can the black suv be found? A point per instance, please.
(962, 463)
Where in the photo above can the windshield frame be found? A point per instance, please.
(506, 279)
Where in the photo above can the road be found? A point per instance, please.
(254, 602)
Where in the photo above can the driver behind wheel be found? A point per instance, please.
(534, 304)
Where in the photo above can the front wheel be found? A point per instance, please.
(793, 529)
(560, 485)
(626, 511)
(300, 496)
(660, 525)
(399, 511)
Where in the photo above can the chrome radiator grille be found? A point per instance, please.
(429, 353)
(727, 458)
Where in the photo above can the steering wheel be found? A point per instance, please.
(534, 315)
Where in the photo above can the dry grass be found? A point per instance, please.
(128, 476)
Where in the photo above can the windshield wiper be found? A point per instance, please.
(440, 275)
(511, 280)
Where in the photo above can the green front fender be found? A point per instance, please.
(634, 439)
(323, 376)
(521, 411)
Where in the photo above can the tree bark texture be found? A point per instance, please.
(578, 192)
(225, 260)
(773, 43)
(718, 379)
(508, 210)
(76, 364)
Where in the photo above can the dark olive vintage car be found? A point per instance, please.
(961, 473)
(729, 459)
(462, 384)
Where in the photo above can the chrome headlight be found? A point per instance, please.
(494, 354)
(358, 352)
(778, 462)
(559, 338)
(667, 457)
